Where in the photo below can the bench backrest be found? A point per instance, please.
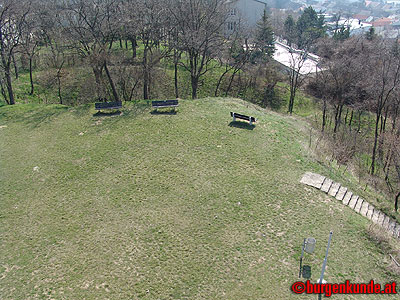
(100, 105)
(165, 103)
(243, 117)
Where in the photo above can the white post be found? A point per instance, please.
(326, 258)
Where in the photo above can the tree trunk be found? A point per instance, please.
(293, 87)
(15, 66)
(396, 200)
(9, 85)
(97, 76)
(145, 76)
(376, 135)
(338, 117)
(134, 45)
(149, 86)
(114, 90)
(59, 88)
(324, 116)
(291, 102)
(220, 80)
(394, 118)
(30, 76)
(195, 83)
(176, 78)
(228, 89)
(387, 162)
(145, 85)
(59, 82)
(351, 119)
(3, 92)
(385, 119)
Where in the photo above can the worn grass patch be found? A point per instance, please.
(167, 206)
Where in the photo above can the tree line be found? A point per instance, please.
(61, 37)
(361, 77)
(190, 34)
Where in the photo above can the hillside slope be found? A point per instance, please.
(167, 206)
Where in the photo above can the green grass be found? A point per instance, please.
(167, 206)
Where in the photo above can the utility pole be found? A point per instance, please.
(320, 281)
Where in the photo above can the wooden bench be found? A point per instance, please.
(235, 116)
(107, 105)
(164, 104)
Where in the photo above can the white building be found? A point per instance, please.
(356, 26)
(245, 13)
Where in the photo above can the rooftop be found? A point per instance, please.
(292, 59)
(360, 17)
(382, 22)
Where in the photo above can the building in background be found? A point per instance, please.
(244, 13)
(356, 26)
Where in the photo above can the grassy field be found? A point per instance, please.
(168, 206)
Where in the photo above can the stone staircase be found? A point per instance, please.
(358, 204)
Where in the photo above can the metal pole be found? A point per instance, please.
(326, 258)
(301, 257)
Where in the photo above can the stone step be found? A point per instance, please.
(360, 202)
(347, 198)
(364, 208)
(386, 222)
(334, 189)
(370, 212)
(353, 201)
(375, 216)
(312, 179)
(392, 226)
(341, 193)
(326, 185)
(381, 219)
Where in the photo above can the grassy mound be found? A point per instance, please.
(167, 206)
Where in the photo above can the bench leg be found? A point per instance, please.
(250, 122)
(234, 119)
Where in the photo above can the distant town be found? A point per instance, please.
(358, 16)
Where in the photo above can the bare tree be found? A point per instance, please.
(200, 26)
(382, 81)
(31, 40)
(338, 84)
(234, 58)
(12, 26)
(296, 73)
(152, 27)
(90, 27)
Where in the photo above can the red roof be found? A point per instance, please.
(382, 22)
(360, 17)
